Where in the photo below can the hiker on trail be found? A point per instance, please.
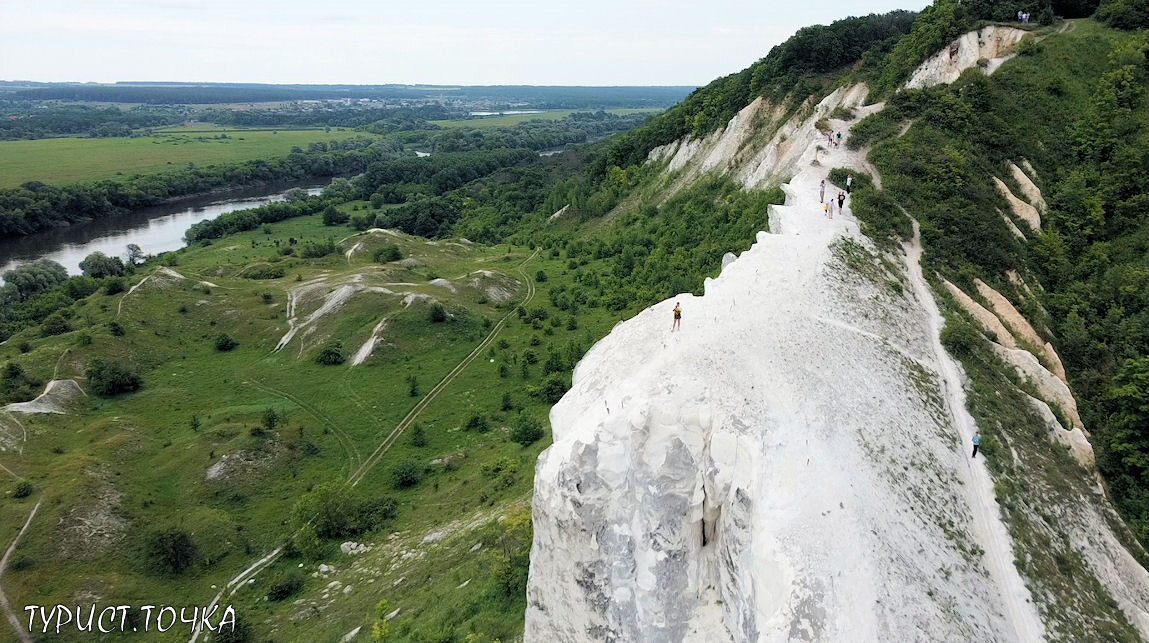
(831, 205)
(839, 138)
(822, 191)
(826, 209)
(677, 325)
(841, 202)
(976, 442)
(849, 183)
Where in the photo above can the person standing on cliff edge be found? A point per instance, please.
(677, 325)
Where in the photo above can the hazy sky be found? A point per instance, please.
(474, 42)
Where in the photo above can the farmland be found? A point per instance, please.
(61, 161)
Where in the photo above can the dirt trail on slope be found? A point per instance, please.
(383, 447)
(358, 474)
(13, 620)
(987, 524)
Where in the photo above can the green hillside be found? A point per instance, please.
(226, 426)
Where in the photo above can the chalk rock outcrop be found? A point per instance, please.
(1021, 209)
(994, 44)
(761, 474)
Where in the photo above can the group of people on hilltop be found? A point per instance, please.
(1023, 17)
(828, 206)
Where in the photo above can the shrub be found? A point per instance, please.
(540, 276)
(317, 249)
(875, 127)
(265, 272)
(388, 252)
(100, 265)
(171, 550)
(80, 287)
(553, 389)
(418, 436)
(113, 286)
(285, 587)
(23, 489)
(413, 386)
(362, 222)
(960, 337)
(528, 430)
(1028, 47)
(332, 216)
(1124, 14)
(478, 423)
(54, 324)
(331, 355)
(109, 378)
(116, 328)
(438, 313)
(271, 419)
(406, 474)
(554, 364)
(225, 343)
(369, 514)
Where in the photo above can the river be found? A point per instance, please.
(156, 229)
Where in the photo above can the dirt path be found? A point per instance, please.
(358, 474)
(237, 582)
(353, 456)
(384, 446)
(987, 525)
(13, 620)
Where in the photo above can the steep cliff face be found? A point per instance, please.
(794, 464)
(785, 466)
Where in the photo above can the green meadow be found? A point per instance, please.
(60, 161)
(114, 470)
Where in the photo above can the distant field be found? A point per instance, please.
(72, 160)
(514, 119)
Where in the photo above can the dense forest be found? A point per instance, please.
(24, 120)
(497, 96)
(380, 120)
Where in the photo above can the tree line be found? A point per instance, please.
(436, 174)
(35, 206)
(24, 120)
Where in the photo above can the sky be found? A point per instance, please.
(469, 42)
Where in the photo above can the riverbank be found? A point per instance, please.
(155, 229)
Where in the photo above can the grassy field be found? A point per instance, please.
(132, 463)
(511, 120)
(61, 161)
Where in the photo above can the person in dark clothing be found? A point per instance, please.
(841, 201)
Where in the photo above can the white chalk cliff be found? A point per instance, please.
(793, 464)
